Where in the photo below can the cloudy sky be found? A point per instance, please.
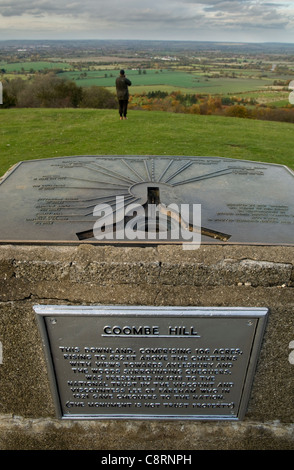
(207, 20)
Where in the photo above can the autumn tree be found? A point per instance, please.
(98, 97)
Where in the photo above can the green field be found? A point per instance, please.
(106, 78)
(34, 66)
(42, 133)
(168, 80)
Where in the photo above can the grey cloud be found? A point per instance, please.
(56, 7)
(153, 15)
(243, 13)
(34, 8)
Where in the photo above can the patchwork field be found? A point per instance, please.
(168, 80)
(260, 71)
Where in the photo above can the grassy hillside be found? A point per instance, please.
(42, 133)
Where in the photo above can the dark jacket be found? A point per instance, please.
(122, 90)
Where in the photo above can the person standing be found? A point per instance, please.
(122, 90)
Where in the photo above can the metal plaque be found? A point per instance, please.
(54, 200)
(151, 362)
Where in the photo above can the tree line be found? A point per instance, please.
(50, 91)
(230, 106)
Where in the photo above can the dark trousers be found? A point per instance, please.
(123, 107)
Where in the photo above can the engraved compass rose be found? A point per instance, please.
(53, 200)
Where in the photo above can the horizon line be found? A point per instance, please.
(150, 40)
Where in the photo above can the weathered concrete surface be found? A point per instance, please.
(48, 434)
(85, 275)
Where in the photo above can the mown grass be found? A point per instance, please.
(42, 133)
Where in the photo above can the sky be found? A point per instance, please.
(210, 20)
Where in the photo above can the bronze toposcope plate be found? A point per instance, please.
(55, 200)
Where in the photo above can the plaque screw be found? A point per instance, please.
(250, 323)
(53, 321)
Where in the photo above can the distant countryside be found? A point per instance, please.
(240, 80)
